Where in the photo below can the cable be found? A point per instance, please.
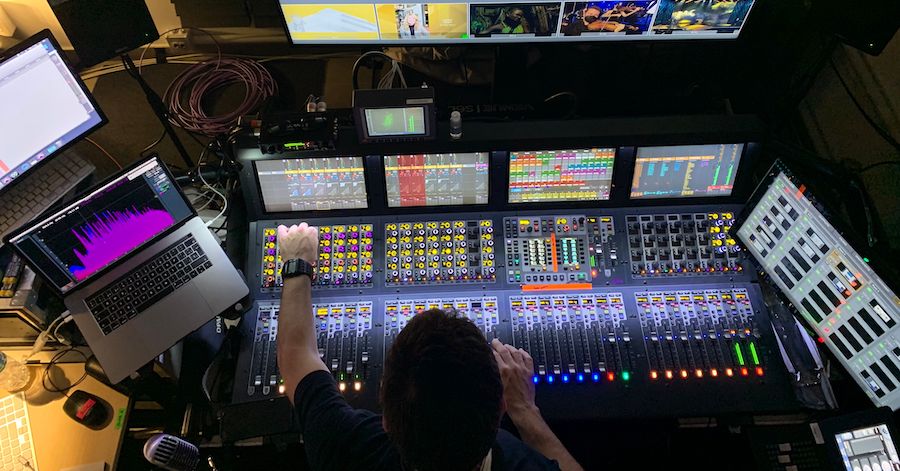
(105, 152)
(876, 165)
(154, 143)
(358, 63)
(45, 377)
(881, 131)
(207, 185)
(185, 96)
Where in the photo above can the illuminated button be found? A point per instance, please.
(654, 375)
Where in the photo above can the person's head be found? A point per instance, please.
(591, 14)
(441, 393)
(514, 16)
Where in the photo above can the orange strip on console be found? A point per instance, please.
(565, 287)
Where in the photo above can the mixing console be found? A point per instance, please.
(344, 341)
(575, 338)
(480, 310)
(439, 252)
(682, 244)
(699, 333)
(345, 257)
(557, 249)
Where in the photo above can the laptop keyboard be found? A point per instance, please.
(16, 450)
(157, 278)
(40, 190)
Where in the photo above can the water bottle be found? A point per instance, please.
(13, 374)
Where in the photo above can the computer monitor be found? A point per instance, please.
(46, 107)
(546, 176)
(685, 171)
(312, 184)
(436, 179)
(454, 22)
(834, 288)
(91, 234)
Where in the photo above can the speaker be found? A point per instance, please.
(103, 29)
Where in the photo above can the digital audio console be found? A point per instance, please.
(601, 332)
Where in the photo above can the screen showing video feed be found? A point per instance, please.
(455, 22)
(700, 16)
(422, 21)
(531, 19)
(330, 21)
(592, 18)
(408, 121)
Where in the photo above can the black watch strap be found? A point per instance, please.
(297, 267)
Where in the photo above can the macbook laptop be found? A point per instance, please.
(136, 266)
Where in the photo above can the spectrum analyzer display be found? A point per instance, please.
(560, 175)
(685, 171)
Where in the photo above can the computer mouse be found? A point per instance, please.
(87, 409)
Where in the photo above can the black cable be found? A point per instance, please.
(45, 378)
(154, 143)
(881, 131)
(876, 165)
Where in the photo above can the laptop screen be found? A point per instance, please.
(80, 241)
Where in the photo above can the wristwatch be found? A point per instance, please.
(297, 267)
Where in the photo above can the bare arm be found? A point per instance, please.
(298, 354)
(516, 370)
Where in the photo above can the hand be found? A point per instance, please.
(516, 372)
(299, 242)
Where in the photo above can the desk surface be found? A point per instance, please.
(60, 442)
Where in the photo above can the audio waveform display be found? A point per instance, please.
(112, 235)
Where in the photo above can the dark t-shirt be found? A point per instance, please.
(338, 436)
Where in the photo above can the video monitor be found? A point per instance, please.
(834, 288)
(560, 175)
(604, 18)
(685, 171)
(436, 179)
(455, 22)
(312, 184)
(46, 107)
(700, 17)
(525, 19)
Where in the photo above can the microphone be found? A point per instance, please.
(171, 453)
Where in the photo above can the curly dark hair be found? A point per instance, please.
(441, 393)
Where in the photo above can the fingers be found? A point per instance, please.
(501, 351)
(529, 362)
(282, 232)
(516, 354)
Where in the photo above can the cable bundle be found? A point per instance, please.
(184, 96)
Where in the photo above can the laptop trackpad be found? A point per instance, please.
(192, 309)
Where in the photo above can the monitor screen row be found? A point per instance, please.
(444, 21)
(454, 179)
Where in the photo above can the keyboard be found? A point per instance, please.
(16, 450)
(38, 191)
(119, 302)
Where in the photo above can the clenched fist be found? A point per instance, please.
(299, 242)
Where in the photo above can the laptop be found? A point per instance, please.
(47, 108)
(136, 266)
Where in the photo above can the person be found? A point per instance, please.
(411, 27)
(514, 22)
(444, 391)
